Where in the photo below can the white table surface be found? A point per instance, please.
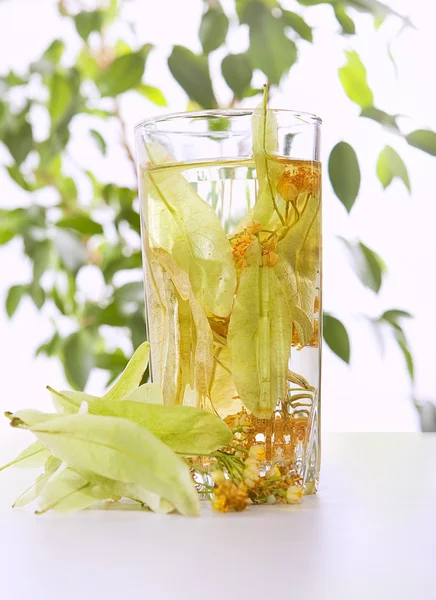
(369, 534)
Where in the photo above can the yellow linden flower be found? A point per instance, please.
(287, 190)
(257, 452)
(243, 241)
(229, 496)
(251, 473)
(218, 477)
(304, 179)
(294, 494)
(273, 473)
(249, 482)
(220, 504)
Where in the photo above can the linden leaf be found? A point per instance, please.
(68, 402)
(32, 457)
(69, 491)
(30, 417)
(237, 72)
(259, 336)
(124, 73)
(192, 322)
(32, 493)
(116, 489)
(424, 139)
(223, 394)
(119, 449)
(367, 264)
(298, 267)
(185, 226)
(336, 337)
(391, 165)
(191, 72)
(185, 429)
(163, 331)
(131, 377)
(344, 173)
(213, 29)
(270, 49)
(265, 144)
(150, 393)
(354, 81)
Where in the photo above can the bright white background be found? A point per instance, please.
(374, 393)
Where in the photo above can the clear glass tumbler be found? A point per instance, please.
(231, 228)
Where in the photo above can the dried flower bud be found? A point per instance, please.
(287, 190)
(273, 473)
(229, 496)
(249, 483)
(252, 473)
(257, 452)
(294, 494)
(292, 183)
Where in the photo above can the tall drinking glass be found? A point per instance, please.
(231, 228)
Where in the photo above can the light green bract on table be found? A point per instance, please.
(126, 444)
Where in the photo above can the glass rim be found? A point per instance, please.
(151, 122)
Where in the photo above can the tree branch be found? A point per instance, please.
(124, 140)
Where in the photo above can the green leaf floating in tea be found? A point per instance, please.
(277, 257)
(222, 392)
(196, 352)
(265, 146)
(184, 225)
(260, 336)
(164, 332)
(298, 266)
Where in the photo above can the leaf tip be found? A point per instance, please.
(16, 422)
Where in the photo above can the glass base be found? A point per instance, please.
(270, 461)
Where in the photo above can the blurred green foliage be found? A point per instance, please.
(66, 236)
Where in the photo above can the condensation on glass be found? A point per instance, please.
(231, 229)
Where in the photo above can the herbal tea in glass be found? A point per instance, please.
(231, 229)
